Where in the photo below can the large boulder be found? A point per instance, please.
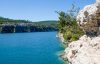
(89, 19)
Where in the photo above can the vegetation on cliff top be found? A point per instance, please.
(67, 25)
(9, 26)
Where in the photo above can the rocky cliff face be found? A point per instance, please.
(87, 49)
(25, 28)
(89, 19)
(84, 51)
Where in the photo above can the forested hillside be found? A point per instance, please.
(10, 26)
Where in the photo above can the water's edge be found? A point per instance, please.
(62, 42)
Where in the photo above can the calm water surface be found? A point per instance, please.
(29, 48)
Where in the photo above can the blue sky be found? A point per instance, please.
(37, 10)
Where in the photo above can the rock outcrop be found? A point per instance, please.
(86, 50)
(89, 19)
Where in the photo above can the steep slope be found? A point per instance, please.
(86, 50)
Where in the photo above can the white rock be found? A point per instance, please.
(86, 50)
(87, 53)
(89, 18)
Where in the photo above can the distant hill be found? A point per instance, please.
(11, 25)
(7, 20)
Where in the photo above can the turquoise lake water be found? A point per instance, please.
(30, 48)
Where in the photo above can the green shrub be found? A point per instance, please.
(69, 27)
(75, 37)
(67, 35)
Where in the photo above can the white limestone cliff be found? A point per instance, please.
(86, 50)
(89, 19)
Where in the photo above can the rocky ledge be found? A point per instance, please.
(86, 50)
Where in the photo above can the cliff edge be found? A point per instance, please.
(86, 50)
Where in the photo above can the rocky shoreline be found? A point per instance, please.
(86, 50)
(28, 27)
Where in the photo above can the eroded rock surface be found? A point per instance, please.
(89, 19)
(86, 50)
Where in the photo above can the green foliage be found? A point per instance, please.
(62, 20)
(11, 21)
(68, 35)
(67, 25)
(40, 24)
(27, 26)
(49, 23)
(74, 37)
